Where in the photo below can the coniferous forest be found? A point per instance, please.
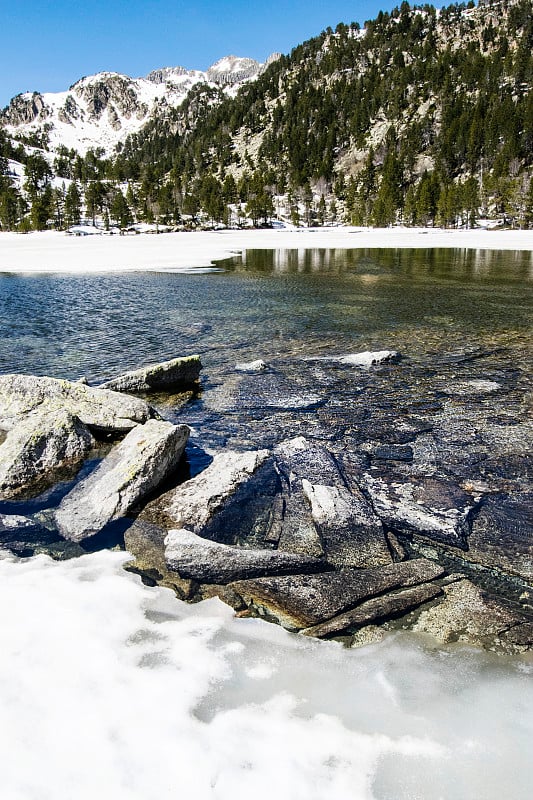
(421, 117)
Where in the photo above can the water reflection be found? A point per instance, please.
(265, 304)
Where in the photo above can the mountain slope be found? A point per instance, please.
(99, 111)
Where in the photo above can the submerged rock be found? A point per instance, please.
(302, 601)
(133, 469)
(18, 532)
(196, 503)
(38, 447)
(211, 562)
(98, 408)
(252, 366)
(365, 359)
(173, 374)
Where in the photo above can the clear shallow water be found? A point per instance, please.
(275, 304)
(169, 699)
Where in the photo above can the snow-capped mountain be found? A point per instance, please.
(101, 110)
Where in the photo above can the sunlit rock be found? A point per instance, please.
(98, 408)
(133, 469)
(41, 445)
(174, 374)
(211, 562)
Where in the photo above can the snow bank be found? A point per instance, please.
(111, 689)
(57, 252)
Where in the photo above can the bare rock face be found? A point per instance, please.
(376, 610)
(177, 373)
(302, 601)
(469, 614)
(350, 532)
(38, 447)
(430, 506)
(195, 503)
(133, 469)
(502, 534)
(211, 562)
(97, 408)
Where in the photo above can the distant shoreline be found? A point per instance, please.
(52, 251)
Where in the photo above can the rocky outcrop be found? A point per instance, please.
(210, 562)
(197, 502)
(175, 374)
(41, 445)
(99, 409)
(302, 601)
(502, 534)
(377, 610)
(469, 614)
(349, 531)
(430, 506)
(133, 469)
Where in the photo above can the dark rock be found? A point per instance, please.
(430, 506)
(502, 534)
(146, 542)
(41, 445)
(174, 374)
(24, 535)
(301, 601)
(133, 469)
(376, 610)
(210, 562)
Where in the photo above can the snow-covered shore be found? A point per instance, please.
(57, 252)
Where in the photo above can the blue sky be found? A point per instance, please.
(47, 46)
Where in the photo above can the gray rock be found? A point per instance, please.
(350, 532)
(211, 562)
(252, 366)
(196, 503)
(469, 614)
(302, 601)
(428, 506)
(502, 534)
(98, 408)
(377, 610)
(133, 469)
(177, 373)
(35, 450)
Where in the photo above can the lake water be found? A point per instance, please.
(112, 688)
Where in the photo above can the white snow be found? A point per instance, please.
(57, 252)
(114, 690)
(160, 90)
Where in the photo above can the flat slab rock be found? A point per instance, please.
(133, 469)
(96, 408)
(173, 374)
(428, 506)
(502, 534)
(469, 614)
(211, 562)
(376, 610)
(302, 601)
(38, 447)
(195, 503)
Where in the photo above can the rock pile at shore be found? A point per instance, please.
(327, 542)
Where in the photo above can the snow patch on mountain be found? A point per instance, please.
(101, 110)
